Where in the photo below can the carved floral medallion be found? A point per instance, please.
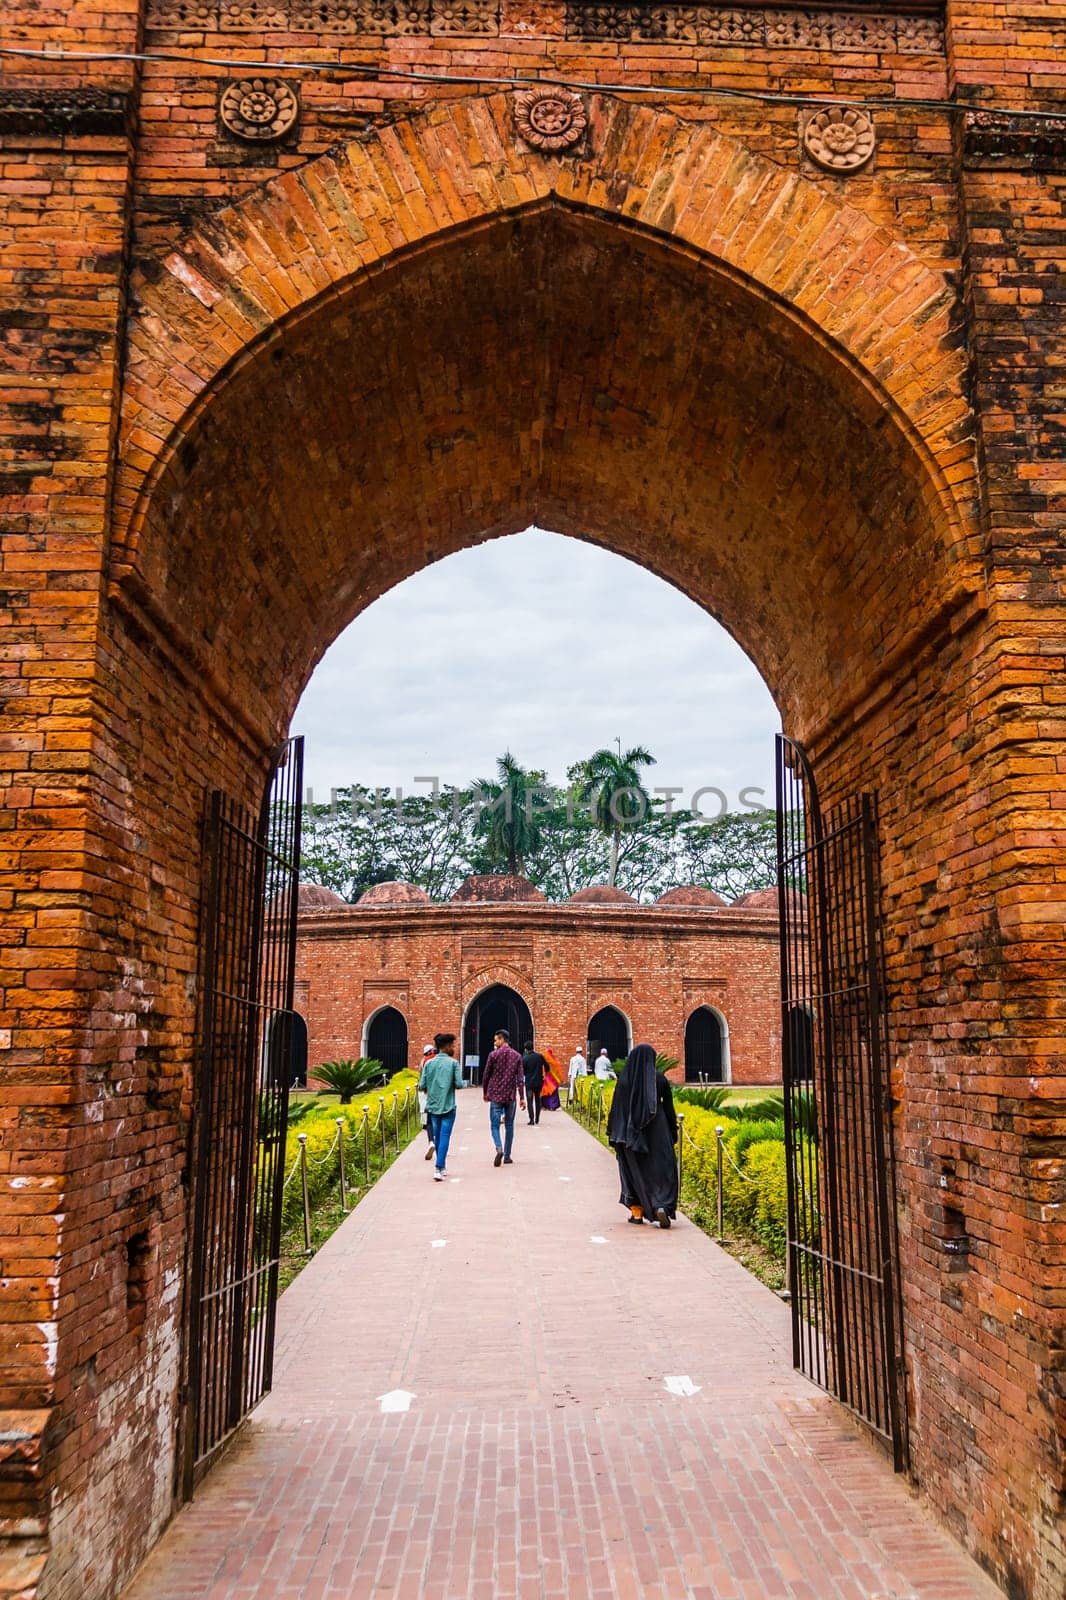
(261, 109)
(550, 118)
(839, 138)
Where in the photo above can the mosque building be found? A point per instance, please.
(691, 974)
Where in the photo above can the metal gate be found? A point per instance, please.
(842, 1250)
(248, 1035)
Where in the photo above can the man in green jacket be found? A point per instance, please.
(441, 1076)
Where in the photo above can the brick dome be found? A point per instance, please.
(314, 897)
(501, 886)
(766, 900)
(396, 892)
(601, 894)
(690, 894)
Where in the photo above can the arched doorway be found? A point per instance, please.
(799, 1041)
(386, 1040)
(706, 1047)
(609, 1028)
(495, 1007)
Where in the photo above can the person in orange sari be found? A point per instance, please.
(553, 1077)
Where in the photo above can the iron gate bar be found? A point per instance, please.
(241, 1113)
(842, 1245)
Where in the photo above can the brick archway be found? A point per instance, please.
(226, 323)
(670, 344)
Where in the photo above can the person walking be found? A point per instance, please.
(602, 1066)
(441, 1076)
(503, 1080)
(553, 1079)
(642, 1131)
(578, 1069)
(427, 1051)
(533, 1065)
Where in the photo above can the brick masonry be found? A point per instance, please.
(247, 386)
(655, 965)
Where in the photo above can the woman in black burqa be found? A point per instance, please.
(642, 1131)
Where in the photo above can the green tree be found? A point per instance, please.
(612, 784)
(508, 823)
(733, 854)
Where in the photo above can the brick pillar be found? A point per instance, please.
(996, 1146)
(65, 166)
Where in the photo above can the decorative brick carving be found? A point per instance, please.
(259, 109)
(58, 112)
(377, 17)
(549, 118)
(839, 138)
(755, 26)
(991, 139)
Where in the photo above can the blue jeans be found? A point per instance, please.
(440, 1131)
(504, 1114)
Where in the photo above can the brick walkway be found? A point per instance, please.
(542, 1456)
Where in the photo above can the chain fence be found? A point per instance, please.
(360, 1150)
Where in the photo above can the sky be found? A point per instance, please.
(547, 647)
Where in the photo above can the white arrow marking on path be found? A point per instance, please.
(597, 1238)
(438, 1244)
(396, 1400)
(681, 1385)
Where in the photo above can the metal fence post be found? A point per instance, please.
(381, 1103)
(344, 1176)
(680, 1151)
(366, 1143)
(303, 1184)
(718, 1137)
(396, 1118)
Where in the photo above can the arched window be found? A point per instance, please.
(706, 1047)
(495, 1007)
(610, 1028)
(799, 1044)
(386, 1039)
(284, 1054)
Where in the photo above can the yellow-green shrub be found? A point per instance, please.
(320, 1127)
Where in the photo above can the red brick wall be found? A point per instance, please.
(654, 966)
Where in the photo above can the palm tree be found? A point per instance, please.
(612, 783)
(508, 825)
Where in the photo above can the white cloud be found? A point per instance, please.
(545, 646)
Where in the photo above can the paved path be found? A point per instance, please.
(542, 1456)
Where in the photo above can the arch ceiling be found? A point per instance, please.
(731, 378)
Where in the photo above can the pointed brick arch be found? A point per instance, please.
(254, 267)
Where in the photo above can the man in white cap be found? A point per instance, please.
(427, 1051)
(578, 1069)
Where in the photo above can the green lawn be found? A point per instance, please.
(750, 1092)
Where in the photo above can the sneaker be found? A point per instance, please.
(429, 1153)
(661, 1218)
(438, 1176)
(498, 1159)
(507, 1161)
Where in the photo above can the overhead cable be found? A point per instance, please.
(335, 73)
